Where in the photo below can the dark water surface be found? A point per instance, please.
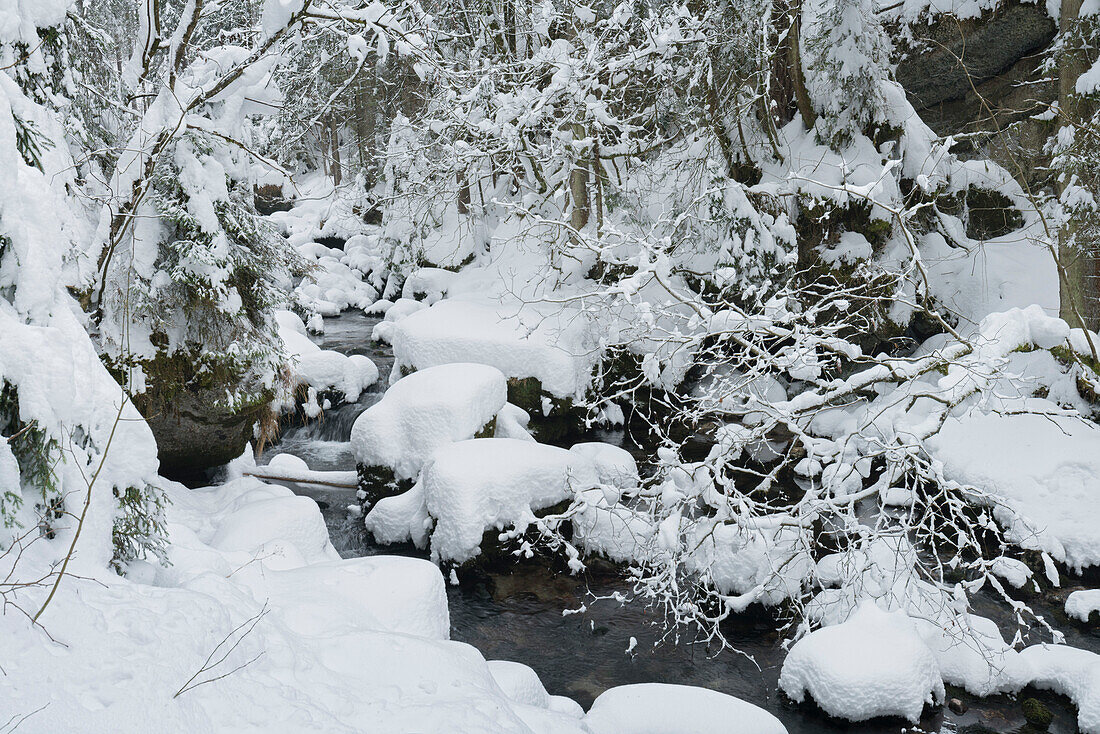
(519, 615)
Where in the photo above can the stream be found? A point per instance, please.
(518, 615)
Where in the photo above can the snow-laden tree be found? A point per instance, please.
(63, 475)
(182, 276)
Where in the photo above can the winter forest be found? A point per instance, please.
(549, 366)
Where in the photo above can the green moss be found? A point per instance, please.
(986, 213)
(1036, 713)
(488, 430)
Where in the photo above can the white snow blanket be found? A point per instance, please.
(424, 411)
(661, 708)
(314, 629)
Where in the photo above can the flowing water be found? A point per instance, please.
(519, 615)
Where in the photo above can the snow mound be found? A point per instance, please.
(614, 465)
(971, 653)
(387, 593)
(1045, 470)
(1081, 604)
(512, 422)
(1071, 672)
(426, 410)
(472, 486)
(662, 708)
(547, 347)
(520, 683)
(322, 369)
(874, 664)
(290, 528)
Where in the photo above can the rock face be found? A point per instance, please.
(948, 57)
(982, 75)
(195, 435)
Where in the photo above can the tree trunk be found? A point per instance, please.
(578, 186)
(334, 143)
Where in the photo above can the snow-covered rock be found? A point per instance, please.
(662, 708)
(1082, 604)
(1071, 672)
(1045, 469)
(323, 369)
(614, 465)
(472, 486)
(424, 411)
(286, 528)
(520, 683)
(971, 653)
(549, 348)
(874, 664)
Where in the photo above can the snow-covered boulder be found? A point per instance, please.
(1045, 469)
(428, 284)
(520, 683)
(615, 466)
(1082, 604)
(1071, 672)
(874, 664)
(322, 370)
(387, 593)
(547, 347)
(287, 530)
(424, 411)
(473, 486)
(662, 708)
(971, 653)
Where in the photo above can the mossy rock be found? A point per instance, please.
(986, 213)
(195, 434)
(527, 393)
(1036, 713)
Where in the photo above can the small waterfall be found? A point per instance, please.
(333, 424)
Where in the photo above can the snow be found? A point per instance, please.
(662, 708)
(376, 627)
(520, 683)
(972, 654)
(426, 410)
(322, 369)
(520, 345)
(614, 465)
(1071, 672)
(1044, 469)
(288, 528)
(512, 422)
(873, 664)
(473, 486)
(1082, 604)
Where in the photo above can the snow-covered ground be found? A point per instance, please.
(258, 625)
